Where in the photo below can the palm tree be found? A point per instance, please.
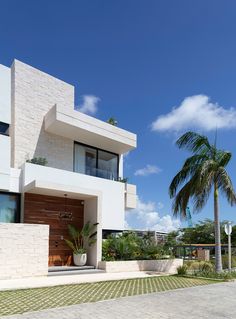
(202, 172)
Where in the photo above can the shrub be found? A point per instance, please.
(38, 160)
(225, 261)
(201, 266)
(128, 246)
(215, 275)
(182, 270)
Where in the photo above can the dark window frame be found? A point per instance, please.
(18, 205)
(97, 150)
(7, 128)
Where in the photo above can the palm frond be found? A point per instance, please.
(193, 142)
(223, 158)
(182, 198)
(202, 191)
(71, 245)
(191, 165)
(225, 184)
(73, 231)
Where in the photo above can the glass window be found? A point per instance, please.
(9, 208)
(91, 161)
(4, 128)
(85, 160)
(107, 165)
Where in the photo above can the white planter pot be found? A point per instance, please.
(80, 259)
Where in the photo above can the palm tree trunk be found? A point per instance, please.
(218, 260)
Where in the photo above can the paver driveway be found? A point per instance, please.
(21, 301)
(216, 301)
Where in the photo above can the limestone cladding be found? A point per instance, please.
(23, 250)
(33, 94)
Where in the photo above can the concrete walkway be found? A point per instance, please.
(49, 281)
(212, 301)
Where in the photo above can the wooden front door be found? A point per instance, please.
(50, 210)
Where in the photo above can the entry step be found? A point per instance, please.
(69, 268)
(72, 270)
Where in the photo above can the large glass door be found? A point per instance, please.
(95, 162)
(107, 165)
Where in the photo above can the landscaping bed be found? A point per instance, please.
(204, 269)
(20, 301)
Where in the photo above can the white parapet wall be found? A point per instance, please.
(23, 250)
(166, 265)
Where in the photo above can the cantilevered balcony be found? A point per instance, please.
(88, 130)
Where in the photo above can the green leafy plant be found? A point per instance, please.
(81, 238)
(215, 275)
(206, 269)
(37, 160)
(129, 246)
(123, 180)
(201, 266)
(225, 262)
(112, 121)
(182, 270)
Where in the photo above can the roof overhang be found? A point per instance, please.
(85, 129)
(54, 189)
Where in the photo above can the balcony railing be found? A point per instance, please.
(102, 173)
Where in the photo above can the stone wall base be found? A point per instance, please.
(23, 250)
(166, 265)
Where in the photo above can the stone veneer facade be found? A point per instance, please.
(23, 250)
(34, 93)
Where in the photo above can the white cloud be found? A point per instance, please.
(89, 104)
(160, 205)
(146, 217)
(126, 155)
(196, 111)
(127, 226)
(147, 170)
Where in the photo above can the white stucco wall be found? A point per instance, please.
(5, 157)
(23, 250)
(5, 94)
(93, 214)
(15, 180)
(112, 199)
(33, 94)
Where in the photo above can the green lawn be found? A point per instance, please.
(20, 301)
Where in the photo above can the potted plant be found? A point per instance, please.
(112, 121)
(80, 240)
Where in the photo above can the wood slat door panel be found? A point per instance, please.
(43, 209)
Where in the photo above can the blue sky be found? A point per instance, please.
(139, 59)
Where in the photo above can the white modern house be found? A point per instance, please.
(84, 164)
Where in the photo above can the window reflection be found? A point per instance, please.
(107, 165)
(9, 208)
(91, 161)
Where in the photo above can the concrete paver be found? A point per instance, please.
(212, 301)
